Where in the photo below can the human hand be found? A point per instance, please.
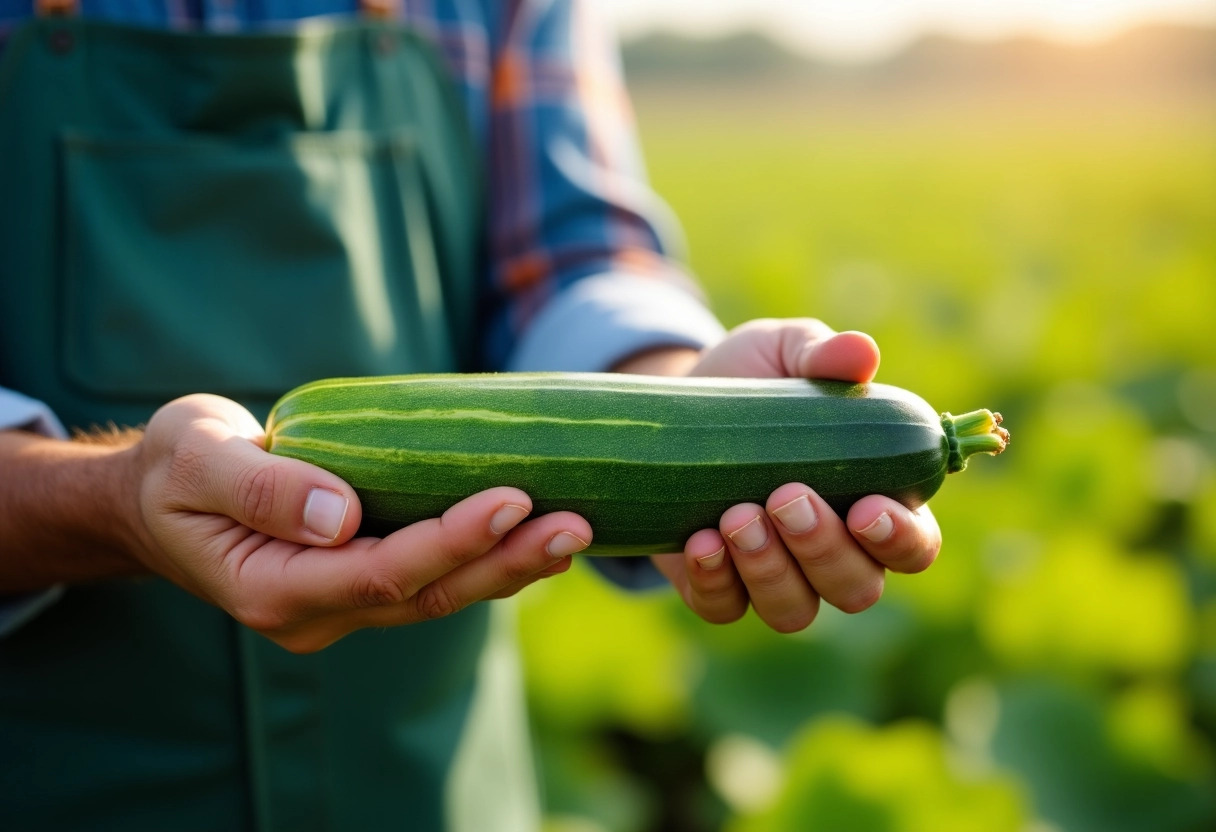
(269, 539)
(783, 557)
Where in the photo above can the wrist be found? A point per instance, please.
(69, 510)
(111, 463)
(128, 533)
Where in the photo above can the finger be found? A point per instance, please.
(560, 567)
(843, 356)
(314, 632)
(714, 589)
(318, 633)
(832, 561)
(762, 348)
(705, 578)
(535, 548)
(779, 592)
(369, 573)
(901, 539)
(809, 348)
(214, 463)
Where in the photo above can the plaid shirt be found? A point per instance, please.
(567, 194)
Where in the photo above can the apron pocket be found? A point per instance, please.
(195, 264)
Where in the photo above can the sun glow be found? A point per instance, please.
(858, 30)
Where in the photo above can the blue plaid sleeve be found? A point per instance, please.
(569, 200)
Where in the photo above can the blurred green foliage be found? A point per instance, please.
(1056, 669)
(843, 775)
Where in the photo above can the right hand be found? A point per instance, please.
(783, 557)
(269, 539)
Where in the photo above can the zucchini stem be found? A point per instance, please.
(977, 432)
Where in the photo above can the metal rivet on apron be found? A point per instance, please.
(61, 41)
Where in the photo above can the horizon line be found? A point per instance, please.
(929, 32)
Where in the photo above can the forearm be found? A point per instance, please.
(65, 510)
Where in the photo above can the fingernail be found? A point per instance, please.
(507, 518)
(798, 515)
(879, 530)
(751, 537)
(713, 561)
(565, 544)
(324, 511)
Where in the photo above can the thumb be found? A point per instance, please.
(284, 498)
(843, 356)
(220, 461)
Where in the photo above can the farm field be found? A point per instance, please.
(1051, 257)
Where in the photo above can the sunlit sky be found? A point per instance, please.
(862, 29)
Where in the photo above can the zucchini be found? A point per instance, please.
(646, 460)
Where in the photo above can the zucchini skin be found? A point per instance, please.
(646, 460)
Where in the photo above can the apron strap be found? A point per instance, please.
(56, 8)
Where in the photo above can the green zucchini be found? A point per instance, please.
(646, 460)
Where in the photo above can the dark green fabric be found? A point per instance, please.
(230, 214)
(235, 214)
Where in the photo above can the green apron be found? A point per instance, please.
(231, 214)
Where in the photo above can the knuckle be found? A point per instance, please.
(185, 470)
(378, 588)
(256, 489)
(448, 548)
(769, 573)
(518, 570)
(436, 601)
(818, 557)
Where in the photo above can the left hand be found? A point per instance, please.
(781, 558)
